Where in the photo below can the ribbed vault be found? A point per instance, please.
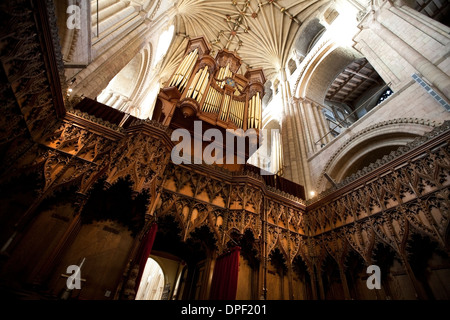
(261, 32)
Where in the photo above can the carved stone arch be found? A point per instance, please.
(72, 181)
(234, 220)
(336, 245)
(216, 218)
(370, 144)
(181, 178)
(271, 122)
(81, 174)
(200, 215)
(306, 253)
(212, 187)
(284, 244)
(256, 233)
(284, 255)
(384, 255)
(92, 175)
(421, 221)
(229, 238)
(166, 203)
(273, 233)
(172, 205)
(362, 238)
(116, 202)
(250, 248)
(311, 30)
(204, 224)
(324, 62)
(385, 232)
(232, 230)
(294, 245)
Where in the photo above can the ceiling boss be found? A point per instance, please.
(238, 23)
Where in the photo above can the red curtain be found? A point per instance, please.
(144, 251)
(225, 276)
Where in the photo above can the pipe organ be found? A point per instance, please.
(184, 71)
(212, 90)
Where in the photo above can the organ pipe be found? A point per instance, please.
(224, 72)
(203, 87)
(238, 104)
(184, 71)
(198, 84)
(254, 112)
(193, 83)
(258, 111)
(226, 101)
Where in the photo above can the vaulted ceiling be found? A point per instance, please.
(260, 31)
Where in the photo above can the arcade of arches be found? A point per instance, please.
(353, 96)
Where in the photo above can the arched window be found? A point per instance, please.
(163, 44)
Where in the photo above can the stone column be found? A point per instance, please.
(432, 73)
(301, 137)
(104, 97)
(314, 125)
(306, 128)
(112, 100)
(398, 42)
(290, 146)
(118, 103)
(320, 123)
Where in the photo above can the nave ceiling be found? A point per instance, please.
(261, 32)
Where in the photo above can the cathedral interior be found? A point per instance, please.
(343, 107)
